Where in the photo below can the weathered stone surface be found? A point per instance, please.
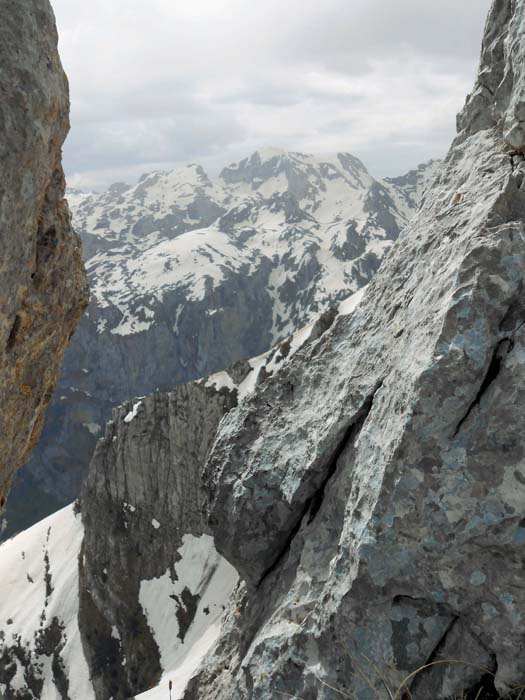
(143, 495)
(372, 493)
(146, 563)
(43, 287)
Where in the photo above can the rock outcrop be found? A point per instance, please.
(43, 287)
(100, 598)
(372, 493)
(143, 496)
(143, 509)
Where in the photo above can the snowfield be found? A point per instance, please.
(39, 600)
(208, 576)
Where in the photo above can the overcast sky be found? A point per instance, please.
(160, 83)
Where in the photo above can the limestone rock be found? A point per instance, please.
(43, 287)
(143, 496)
(127, 583)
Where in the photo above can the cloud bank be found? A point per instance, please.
(159, 83)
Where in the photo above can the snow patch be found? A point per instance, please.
(133, 413)
(210, 580)
(39, 577)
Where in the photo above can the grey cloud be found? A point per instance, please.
(167, 82)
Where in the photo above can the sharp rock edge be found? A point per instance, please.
(43, 286)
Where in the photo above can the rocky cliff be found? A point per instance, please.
(371, 495)
(43, 288)
(189, 273)
(144, 493)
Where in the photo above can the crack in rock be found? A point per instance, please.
(313, 504)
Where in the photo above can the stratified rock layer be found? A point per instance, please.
(372, 493)
(43, 288)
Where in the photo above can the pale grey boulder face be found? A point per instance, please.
(372, 493)
(43, 287)
(143, 495)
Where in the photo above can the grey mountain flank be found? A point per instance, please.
(189, 274)
(43, 287)
(166, 488)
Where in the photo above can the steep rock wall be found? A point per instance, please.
(43, 287)
(143, 496)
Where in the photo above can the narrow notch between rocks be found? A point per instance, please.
(503, 348)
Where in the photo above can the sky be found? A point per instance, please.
(157, 84)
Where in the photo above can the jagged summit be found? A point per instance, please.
(254, 210)
(296, 169)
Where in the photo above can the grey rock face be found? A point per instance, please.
(498, 97)
(142, 496)
(43, 287)
(371, 493)
(190, 274)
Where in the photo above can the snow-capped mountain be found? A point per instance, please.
(190, 273)
(319, 226)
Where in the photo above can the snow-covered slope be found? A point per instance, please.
(190, 273)
(39, 638)
(210, 580)
(41, 654)
(321, 226)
